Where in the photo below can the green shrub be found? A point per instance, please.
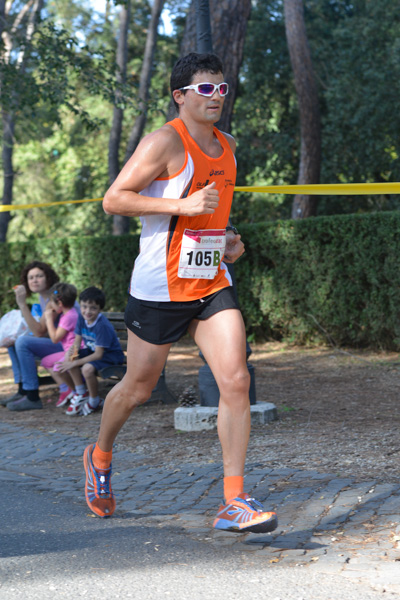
(330, 276)
(105, 262)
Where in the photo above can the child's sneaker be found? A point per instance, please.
(87, 408)
(244, 514)
(76, 404)
(98, 492)
(65, 397)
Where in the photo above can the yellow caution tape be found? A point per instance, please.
(320, 189)
(7, 207)
(333, 189)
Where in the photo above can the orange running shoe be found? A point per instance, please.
(244, 514)
(98, 492)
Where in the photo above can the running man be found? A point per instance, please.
(180, 181)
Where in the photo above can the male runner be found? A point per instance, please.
(180, 181)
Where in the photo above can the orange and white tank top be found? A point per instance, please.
(180, 257)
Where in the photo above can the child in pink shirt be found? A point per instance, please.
(61, 301)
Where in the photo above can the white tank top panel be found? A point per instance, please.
(149, 276)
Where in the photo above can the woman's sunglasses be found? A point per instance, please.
(208, 89)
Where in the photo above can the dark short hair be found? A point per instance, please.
(186, 68)
(51, 275)
(64, 292)
(93, 294)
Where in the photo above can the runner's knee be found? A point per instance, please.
(132, 394)
(237, 383)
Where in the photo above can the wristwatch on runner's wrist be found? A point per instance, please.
(231, 228)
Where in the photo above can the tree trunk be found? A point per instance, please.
(228, 25)
(7, 160)
(145, 79)
(2, 16)
(7, 155)
(307, 94)
(27, 17)
(107, 13)
(203, 27)
(120, 223)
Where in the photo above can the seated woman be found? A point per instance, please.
(36, 278)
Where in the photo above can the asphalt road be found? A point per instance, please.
(51, 548)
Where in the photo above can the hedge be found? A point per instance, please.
(334, 278)
(322, 278)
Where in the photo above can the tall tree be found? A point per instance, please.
(19, 24)
(2, 18)
(228, 25)
(120, 223)
(145, 78)
(307, 94)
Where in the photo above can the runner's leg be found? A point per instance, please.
(145, 363)
(222, 339)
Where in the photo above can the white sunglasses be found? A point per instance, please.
(208, 89)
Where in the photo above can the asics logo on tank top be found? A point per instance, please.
(202, 184)
(216, 173)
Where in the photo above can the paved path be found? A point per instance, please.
(327, 525)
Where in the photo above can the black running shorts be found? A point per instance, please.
(167, 322)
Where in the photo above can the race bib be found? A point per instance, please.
(201, 253)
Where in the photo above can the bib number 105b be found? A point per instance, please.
(201, 253)
(206, 258)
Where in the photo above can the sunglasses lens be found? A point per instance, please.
(223, 89)
(206, 89)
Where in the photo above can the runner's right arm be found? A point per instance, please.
(159, 154)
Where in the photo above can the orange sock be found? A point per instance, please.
(101, 460)
(233, 485)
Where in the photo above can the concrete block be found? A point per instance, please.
(263, 412)
(198, 418)
(195, 418)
